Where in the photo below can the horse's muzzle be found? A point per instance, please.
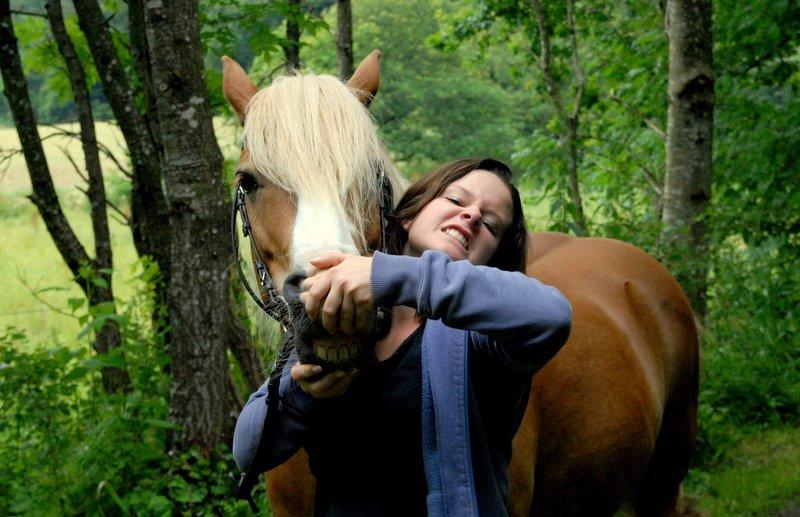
(315, 345)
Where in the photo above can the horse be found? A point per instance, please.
(611, 420)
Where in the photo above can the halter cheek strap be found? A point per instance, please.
(276, 306)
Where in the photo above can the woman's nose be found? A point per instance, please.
(471, 214)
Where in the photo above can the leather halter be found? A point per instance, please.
(276, 307)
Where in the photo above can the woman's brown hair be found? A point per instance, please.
(512, 250)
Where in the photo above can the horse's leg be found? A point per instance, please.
(291, 487)
(659, 491)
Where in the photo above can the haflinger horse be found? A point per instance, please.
(611, 420)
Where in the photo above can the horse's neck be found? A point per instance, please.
(404, 323)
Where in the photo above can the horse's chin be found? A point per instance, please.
(315, 345)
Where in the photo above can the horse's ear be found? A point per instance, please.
(367, 78)
(237, 87)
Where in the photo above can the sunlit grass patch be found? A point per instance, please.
(759, 477)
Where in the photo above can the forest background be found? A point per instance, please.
(91, 430)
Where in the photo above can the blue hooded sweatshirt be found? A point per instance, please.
(472, 312)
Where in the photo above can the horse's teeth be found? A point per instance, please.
(336, 354)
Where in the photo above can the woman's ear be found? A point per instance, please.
(406, 225)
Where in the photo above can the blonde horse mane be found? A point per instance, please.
(311, 136)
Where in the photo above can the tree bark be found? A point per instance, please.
(344, 38)
(148, 201)
(291, 50)
(203, 399)
(690, 120)
(569, 120)
(44, 194)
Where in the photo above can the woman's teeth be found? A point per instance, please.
(457, 236)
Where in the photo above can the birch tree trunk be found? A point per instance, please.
(344, 38)
(203, 399)
(690, 120)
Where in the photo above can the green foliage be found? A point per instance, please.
(68, 447)
(751, 353)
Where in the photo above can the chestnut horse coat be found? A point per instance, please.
(611, 420)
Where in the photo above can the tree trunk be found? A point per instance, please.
(291, 50)
(569, 120)
(148, 201)
(344, 38)
(690, 120)
(108, 337)
(203, 399)
(44, 194)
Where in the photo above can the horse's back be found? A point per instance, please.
(625, 382)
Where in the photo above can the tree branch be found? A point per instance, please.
(650, 122)
(544, 60)
(44, 193)
(28, 13)
(577, 69)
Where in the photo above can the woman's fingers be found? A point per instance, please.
(340, 293)
(327, 260)
(347, 315)
(316, 294)
(329, 315)
(331, 384)
(305, 372)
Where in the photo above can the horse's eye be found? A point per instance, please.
(247, 182)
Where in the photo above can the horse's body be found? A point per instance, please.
(611, 420)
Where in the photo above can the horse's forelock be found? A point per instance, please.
(310, 135)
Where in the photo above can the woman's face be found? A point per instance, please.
(466, 221)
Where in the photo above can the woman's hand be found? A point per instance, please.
(333, 384)
(338, 292)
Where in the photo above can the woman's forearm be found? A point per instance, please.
(508, 307)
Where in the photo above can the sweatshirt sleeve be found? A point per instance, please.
(292, 426)
(526, 322)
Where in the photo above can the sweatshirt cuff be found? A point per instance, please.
(395, 280)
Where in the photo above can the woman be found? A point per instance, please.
(428, 428)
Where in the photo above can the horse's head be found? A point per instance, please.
(311, 164)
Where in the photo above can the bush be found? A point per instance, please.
(751, 345)
(70, 448)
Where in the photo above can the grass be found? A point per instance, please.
(36, 282)
(759, 477)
